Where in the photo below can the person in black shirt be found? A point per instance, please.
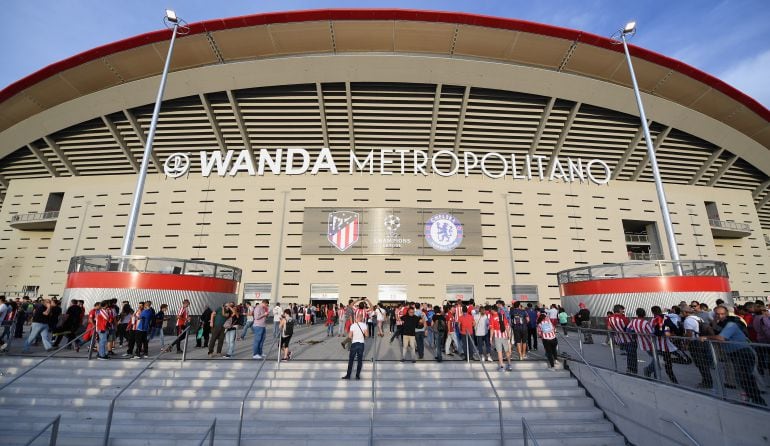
(205, 328)
(408, 330)
(40, 326)
(583, 320)
(440, 330)
(54, 314)
(70, 324)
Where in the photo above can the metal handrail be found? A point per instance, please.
(652, 268)
(34, 216)
(211, 430)
(527, 433)
(122, 260)
(593, 369)
(682, 430)
(54, 432)
(111, 410)
(645, 256)
(499, 401)
(45, 359)
(251, 386)
(637, 238)
(374, 391)
(726, 224)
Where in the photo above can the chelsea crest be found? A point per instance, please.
(443, 232)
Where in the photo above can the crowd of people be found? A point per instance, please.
(493, 333)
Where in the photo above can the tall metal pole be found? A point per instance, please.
(670, 238)
(128, 240)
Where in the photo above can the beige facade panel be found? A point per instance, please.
(137, 63)
(485, 42)
(244, 43)
(419, 37)
(353, 35)
(649, 76)
(306, 37)
(595, 62)
(237, 221)
(189, 52)
(18, 108)
(91, 76)
(531, 49)
(53, 91)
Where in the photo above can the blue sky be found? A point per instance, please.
(729, 39)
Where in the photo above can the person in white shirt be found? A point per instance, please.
(357, 334)
(277, 313)
(380, 320)
(553, 314)
(481, 328)
(699, 350)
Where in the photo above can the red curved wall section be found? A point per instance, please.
(386, 14)
(150, 281)
(646, 285)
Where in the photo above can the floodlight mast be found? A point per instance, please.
(128, 239)
(628, 31)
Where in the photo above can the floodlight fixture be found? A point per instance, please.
(630, 28)
(171, 16)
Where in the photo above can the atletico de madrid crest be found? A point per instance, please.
(343, 229)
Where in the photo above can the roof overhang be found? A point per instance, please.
(345, 31)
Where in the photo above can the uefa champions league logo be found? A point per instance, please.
(392, 224)
(444, 232)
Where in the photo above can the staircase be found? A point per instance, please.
(300, 403)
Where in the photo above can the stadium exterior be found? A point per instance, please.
(388, 154)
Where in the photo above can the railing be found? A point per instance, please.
(682, 430)
(656, 268)
(54, 425)
(729, 371)
(157, 265)
(527, 433)
(725, 224)
(497, 397)
(34, 216)
(637, 238)
(645, 256)
(111, 410)
(51, 355)
(593, 369)
(374, 391)
(210, 433)
(251, 386)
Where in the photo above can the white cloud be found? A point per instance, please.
(752, 76)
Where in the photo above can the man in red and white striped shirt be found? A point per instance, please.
(618, 323)
(182, 321)
(500, 332)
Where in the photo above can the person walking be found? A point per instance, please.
(39, 327)
(131, 335)
(409, 326)
(546, 331)
(500, 332)
(642, 330)
(439, 328)
(104, 318)
(330, 314)
(158, 324)
(467, 334)
(231, 329)
(419, 333)
(699, 350)
(663, 328)
(286, 322)
(563, 321)
(204, 328)
(260, 318)
(342, 320)
(531, 328)
(217, 323)
(123, 319)
(481, 329)
(277, 314)
(519, 322)
(249, 320)
(583, 320)
(618, 323)
(357, 335)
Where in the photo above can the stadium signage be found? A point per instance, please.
(445, 163)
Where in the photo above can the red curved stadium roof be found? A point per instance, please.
(387, 14)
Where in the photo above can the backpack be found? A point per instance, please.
(288, 329)
(518, 317)
(440, 325)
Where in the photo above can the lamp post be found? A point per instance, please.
(128, 241)
(628, 31)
